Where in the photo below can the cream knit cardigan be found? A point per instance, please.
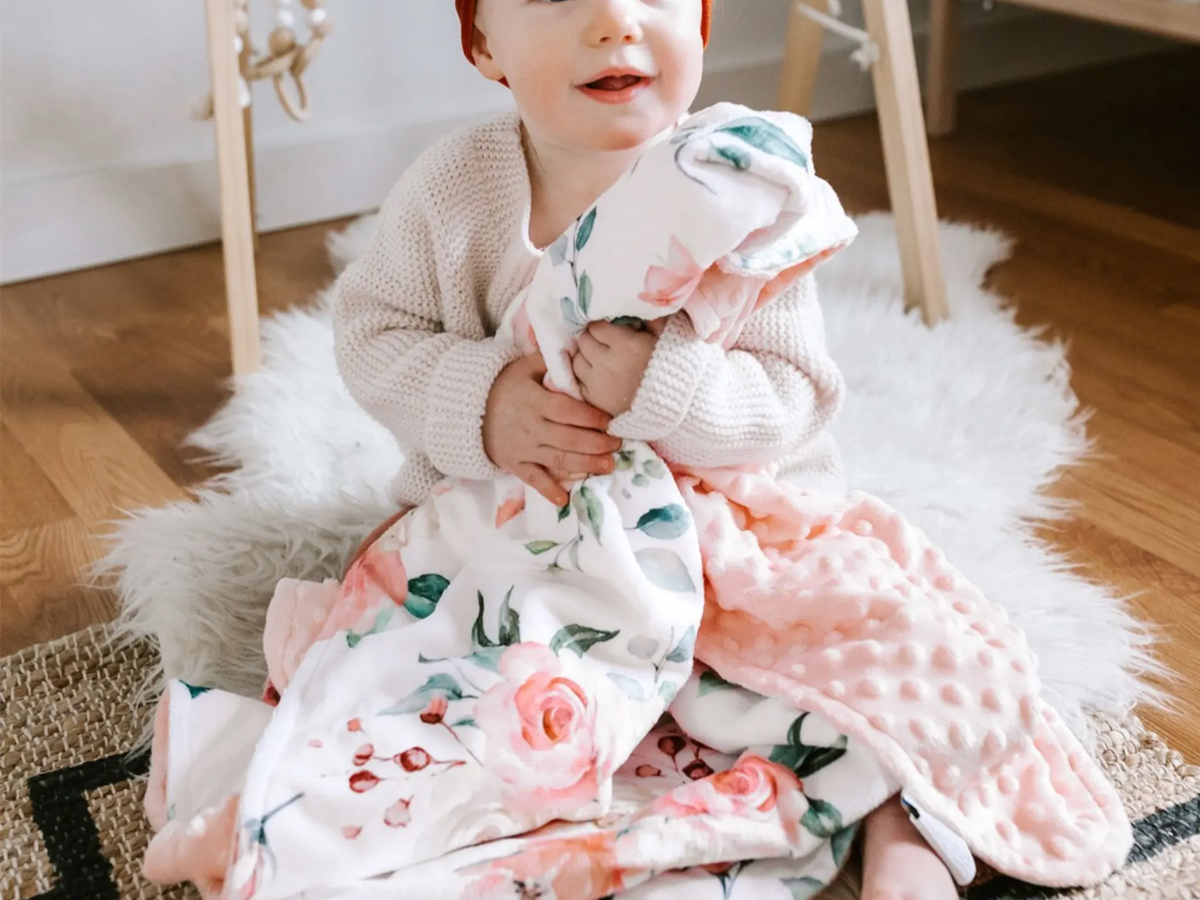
(415, 316)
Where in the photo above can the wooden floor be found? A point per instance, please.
(1096, 173)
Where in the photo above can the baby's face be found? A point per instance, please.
(594, 75)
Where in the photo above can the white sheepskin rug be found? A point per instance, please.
(961, 427)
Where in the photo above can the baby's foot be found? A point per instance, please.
(897, 863)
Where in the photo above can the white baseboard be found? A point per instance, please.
(57, 224)
(95, 217)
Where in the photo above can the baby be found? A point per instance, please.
(596, 82)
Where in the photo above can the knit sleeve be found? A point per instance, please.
(776, 389)
(427, 386)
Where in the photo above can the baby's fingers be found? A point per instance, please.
(580, 463)
(539, 479)
(579, 440)
(568, 411)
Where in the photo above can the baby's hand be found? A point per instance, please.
(611, 362)
(542, 437)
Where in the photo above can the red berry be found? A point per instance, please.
(397, 815)
(413, 759)
(435, 711)
(362, 781)
(354, 725)
(672, 745)
(363, 754)
(697, 770)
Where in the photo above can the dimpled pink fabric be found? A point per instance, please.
(846, 609)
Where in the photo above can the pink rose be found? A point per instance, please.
(297, 616)
(752, 788)
(584, 866)
(374, 583)
(540, 731)
(755, 783)
(672, 284)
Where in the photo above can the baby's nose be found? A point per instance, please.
(615, 22)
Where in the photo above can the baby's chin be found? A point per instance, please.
(616, 136)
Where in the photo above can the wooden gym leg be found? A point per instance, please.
(237, 229)
(906, 153)
(801, 60)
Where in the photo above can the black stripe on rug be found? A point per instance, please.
(1151, 836)
(72, 841)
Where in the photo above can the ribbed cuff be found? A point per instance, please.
(667, 388)
(458, 395)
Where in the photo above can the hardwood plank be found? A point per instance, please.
(966, 173)
(1125, 134)
(1101, 307)
(1183, 312)
(159, 413)
(92, 462)
(1143, 489)
(165, 318)
(146, 368)
(1101, 244)
(1126, 400)
(29, 497)
(1164, 595)
(43, 571)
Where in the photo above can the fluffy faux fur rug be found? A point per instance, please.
(961, 427)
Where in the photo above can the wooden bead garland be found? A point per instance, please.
(284, 57)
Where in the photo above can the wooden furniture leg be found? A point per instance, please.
(248, 128)
(906, 155)
(801, 60)
(943, 66)
(251, 177)
(237, 229)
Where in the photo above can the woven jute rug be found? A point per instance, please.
(72, 828)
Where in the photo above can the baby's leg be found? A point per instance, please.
(897, 863)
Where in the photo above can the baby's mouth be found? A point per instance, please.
(616, 83)
(617, 88)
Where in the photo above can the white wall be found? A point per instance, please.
(100, 159)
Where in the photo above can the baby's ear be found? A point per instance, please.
(484, 61)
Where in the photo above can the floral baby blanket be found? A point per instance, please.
(480, 708)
